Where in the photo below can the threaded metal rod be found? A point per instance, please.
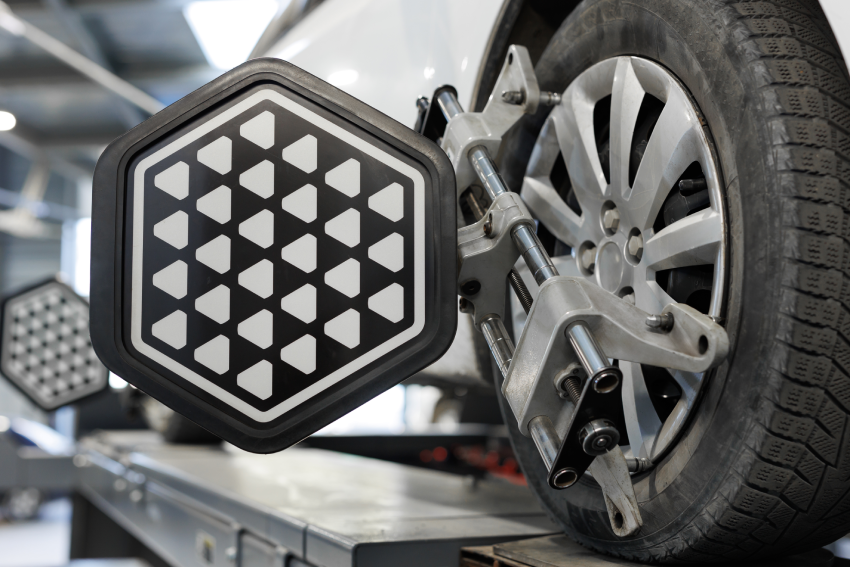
(573, 386)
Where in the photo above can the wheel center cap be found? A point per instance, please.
(609, 266)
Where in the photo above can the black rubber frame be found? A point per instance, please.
(109, 190)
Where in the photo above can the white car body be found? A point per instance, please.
(388, 53)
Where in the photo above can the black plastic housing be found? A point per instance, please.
(110, 257)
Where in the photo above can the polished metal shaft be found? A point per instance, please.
(545, 438)
(499, 341)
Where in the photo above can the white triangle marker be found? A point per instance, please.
(215, 354)
(216, 204)
(215, 254)
(345, 278)
(302, 203)
(215, 304)
(173, 279)
(389, 252)
(345, 328)
(301, 303)
(173, 230)
(171, 330)
(259, 229)
(259, 278)
(302, 154)
(258, 328)
(345, 228)
(217, 155)
(389, 303)
(301, 253)
(389, 202)
(257, 379)
(259, 179)
(300, 354)
(345, 178)
(174, 180)
(259, 130)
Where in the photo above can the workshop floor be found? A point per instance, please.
(41, 543)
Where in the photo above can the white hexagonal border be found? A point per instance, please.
(345, 371)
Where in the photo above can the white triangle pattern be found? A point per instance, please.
(173, 279)
(345, 178)
(301, 303)
(215, 354)
(215, 254)
(259, 130)
(301, 253)
(345, 228)
(173, 230)
(303, 203)
(258, 328)
(302, 154)
(345, 278)
(218, 155)
(216, 204)
(171, 330)
(389, 303)
(389, 202)
(389, 252)
(259, 278)
(174, 180)
(301, 354)
(258, 379)
(345, 328)
(259, 179)
(215, 304)
(259, 229)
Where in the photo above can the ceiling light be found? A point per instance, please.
(342, 78)
(7, 121)
(227, 30)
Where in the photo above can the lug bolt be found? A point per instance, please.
(588, 259)
(636, 245)
(611, 220)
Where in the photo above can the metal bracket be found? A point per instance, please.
(612, 474)
(695, 343)
(487, 252)
(470, 129)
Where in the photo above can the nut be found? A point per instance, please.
(611, 220)
(588, 259)
(636, 245)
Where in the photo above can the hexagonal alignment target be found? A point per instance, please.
(276, 260)
(45, 348)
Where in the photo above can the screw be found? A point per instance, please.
(611, 220)
(471, 287)
(464, 305)
(663, 322)
(488, 226)
(513, 97)
(549, 98)
(588, 259)
(636, 245)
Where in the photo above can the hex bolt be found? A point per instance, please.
(488, 226)
(663, 322)
(588, 259)
(636, 245)
(611, 220)
(513, 97)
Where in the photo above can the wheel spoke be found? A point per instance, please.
(672, 147)
(689, 383)
(626, 100)
(691, 241)
(543, 200)
(642, 422)
(650, 297)
(573, 121)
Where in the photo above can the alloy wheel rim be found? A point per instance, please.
(675, 146)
